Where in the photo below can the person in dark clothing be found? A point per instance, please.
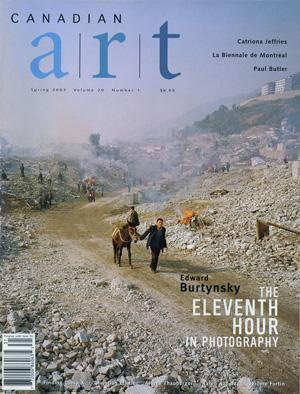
(22, 169)
(156, 241)
(4, 176)
(49, 198)
(40, 177)
(49, 179)
(41, 201)
(133, 218)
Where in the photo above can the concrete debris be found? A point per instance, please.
(122, 343)
(230, 238)
(248, 386)
(218, 193)
(140, 389)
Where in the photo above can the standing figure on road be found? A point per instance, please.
(22, 170)
(156, 241)
(40, 177)
(84, 187)
(49, 179)
(91, 194)
(4, 176)
(49, 197)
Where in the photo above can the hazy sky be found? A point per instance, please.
(204, 27)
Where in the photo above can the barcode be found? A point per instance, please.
(18, 362)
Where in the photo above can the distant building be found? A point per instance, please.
(283, 85)
(268, 88)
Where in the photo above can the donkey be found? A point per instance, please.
(121, 238)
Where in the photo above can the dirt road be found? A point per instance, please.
(81, 230)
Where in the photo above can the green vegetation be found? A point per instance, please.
(226, 121)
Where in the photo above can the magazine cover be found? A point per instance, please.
(149, 216)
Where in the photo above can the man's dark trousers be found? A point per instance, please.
(154, 258)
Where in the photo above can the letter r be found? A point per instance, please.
(104, 44)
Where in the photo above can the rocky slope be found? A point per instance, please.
(111, 338)
(229, 238)
(97, 333)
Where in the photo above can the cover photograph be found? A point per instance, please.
(149, 196)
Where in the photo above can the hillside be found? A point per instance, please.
(271, 97)
(227, 121)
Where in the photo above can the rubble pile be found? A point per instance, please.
(126, 347)
(72, 358)
(99, 334)
(16, 233)
(64, 178)
(24, 192)
(267, 193)
(17, 226)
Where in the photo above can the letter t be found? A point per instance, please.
(163, 51)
